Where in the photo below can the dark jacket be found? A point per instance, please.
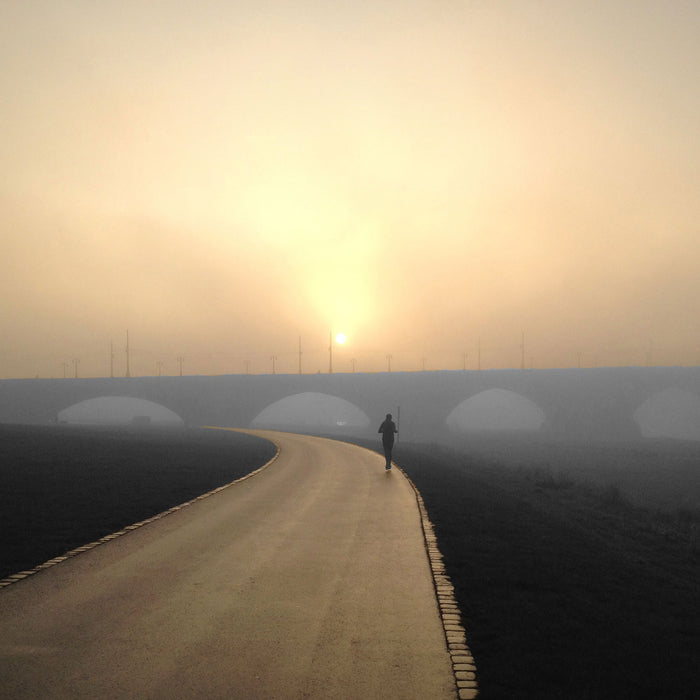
(388, 428)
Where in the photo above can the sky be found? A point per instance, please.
(439, 180)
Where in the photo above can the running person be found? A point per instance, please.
(388, 428)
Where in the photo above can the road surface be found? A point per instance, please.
(308, 580)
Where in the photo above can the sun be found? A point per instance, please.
(340, 338)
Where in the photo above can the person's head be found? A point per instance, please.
(388, 416)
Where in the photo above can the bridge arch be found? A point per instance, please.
(310, 410)
(496, 410)
(119, 410)
(670, 413)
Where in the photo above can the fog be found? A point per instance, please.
(432, 179)
(119, 410)
(312, 411)
(614, 404)
(635, 428)
(496, 410)
(672, 413)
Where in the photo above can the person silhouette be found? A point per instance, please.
(387, 429)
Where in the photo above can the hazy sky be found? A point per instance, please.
(224, 177)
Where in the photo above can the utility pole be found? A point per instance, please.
(464, 361)
(75, 364)
(111, 359)
(388, 362)
(353, 362)
(299, 354)
(128, 365)
(330, 352)
(522, 351)
(273, 358)
(159, 366)
(65, 368)
(247, 366)
(478, 355)
(180, 360)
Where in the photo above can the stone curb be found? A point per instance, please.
(463, 666)
(14, 578)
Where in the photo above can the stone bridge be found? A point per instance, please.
(581, 404)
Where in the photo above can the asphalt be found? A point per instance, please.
(308, 580)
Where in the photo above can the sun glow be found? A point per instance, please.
(340, 338)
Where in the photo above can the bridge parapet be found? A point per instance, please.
(590, 404)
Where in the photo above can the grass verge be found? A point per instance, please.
(567, 589)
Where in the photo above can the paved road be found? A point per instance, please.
(308, 580)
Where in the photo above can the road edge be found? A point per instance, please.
(463, 665)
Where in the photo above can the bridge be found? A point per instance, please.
(580, 404)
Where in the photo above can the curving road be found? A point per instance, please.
(308, 580)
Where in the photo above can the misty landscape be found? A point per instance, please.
(575, 561)
(480, 217)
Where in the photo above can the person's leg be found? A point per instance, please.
(387, 454)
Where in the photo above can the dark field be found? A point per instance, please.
(62, 487)
(576, 567)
